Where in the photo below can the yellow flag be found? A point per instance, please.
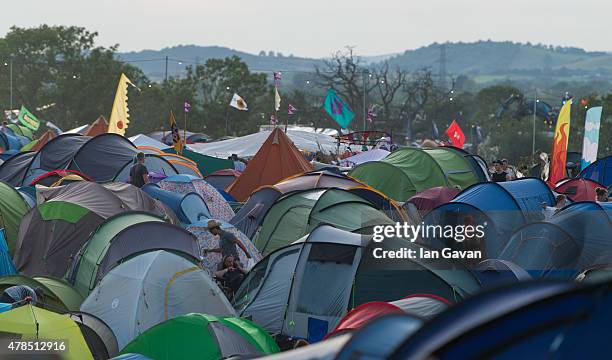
(176, 136)
(119, 118)
(277, 99)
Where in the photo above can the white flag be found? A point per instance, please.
(277, 99)
(239, 103)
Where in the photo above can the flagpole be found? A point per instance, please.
(535, 104)
(185, 128)
(226, 116)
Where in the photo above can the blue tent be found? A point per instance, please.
(495, 272)
(600, 171)
(574, 239)
(189, 208)
(7, 267)
(500, 207)
(538, 320)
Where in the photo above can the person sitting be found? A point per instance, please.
(231, 273)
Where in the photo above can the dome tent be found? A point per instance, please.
(150, 288)
(14, 169)
(407, 171)
(12, 209)
(318, 278)
(203, 337)
(99, 337)
(58, 295)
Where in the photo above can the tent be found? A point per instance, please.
(58, 295)
(428, 199)
(99, 337)
(574, 239)
(98, 127)
(56, 154)
(500, 207)
(421, 306)
(366, 156)
(221, 179)
(248, 145)
(495, 272)
(14, 169)
(150, 288)
(32, 323)
(144, 140)
(189, 208)
(21, 130)
(318, 278)
(206, 164)
(7, 267)
(553, 320)
(252, 213)
(101, 157)
(133, 240)
(210, 241)
(296, 214)
(182, 164)
(277, 159)
(203, 337)
(37, 144)
(407, 171)
(153, 162)
(12, 209)
(578, 189)
(183, 184)
(599, 171)
(53, 177)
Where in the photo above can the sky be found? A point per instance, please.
(317, 28)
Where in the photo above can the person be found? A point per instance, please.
(139, 174)
(508, 170)
(231, 272)
(601, 195)
(20, 293)
(498, 174)
(228, 242)
(549, 211)
(4, 127)
(239, 165)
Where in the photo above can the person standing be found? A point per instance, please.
(498, 174)
(139, 174)
(228, 242)
(239, 165)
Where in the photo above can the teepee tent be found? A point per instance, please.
(277, 159)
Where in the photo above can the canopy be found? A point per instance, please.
(248, 145)
(150, 288)
(32, 323)
(407, 171)
(276, 160)
(203, 337)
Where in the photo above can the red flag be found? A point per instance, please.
(455, 135)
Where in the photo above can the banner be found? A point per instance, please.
(338, 109)
(558, 157)
(239, 103)
(456, 135)
(176, 136)
(119, 118)
(27, 119)
(591, 136)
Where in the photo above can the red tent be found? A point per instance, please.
(578, 189)
(53, 176)
(44, 139)
(98, 127)
(424, 306)
(430, 198)
(277, 159)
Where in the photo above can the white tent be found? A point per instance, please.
(77, 130)
(144, 140)
(247, 146)
(151, 288)
(370, 155)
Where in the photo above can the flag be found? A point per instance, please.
(591, 136)
(291, 110)
(455, 135)
(186, 107)
(273, 120)
(27, 119)
(435, 134)
(277, 76)
(560, 141)
(338, 109)
(277, 99)
(119, 118)
(176, 135)
(239, 103)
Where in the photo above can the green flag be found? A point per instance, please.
(27, 119)
(338, 109)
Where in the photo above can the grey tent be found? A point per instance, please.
(14, 169)
(99, 337)
(153, 162)
(54, 155)
(102, 156)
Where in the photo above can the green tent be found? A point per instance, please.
(298, 213)
(90, 257)
(58, 296)
(204, 337)
(12, 209)
(21, 130)
(407, 171)
(32, 323)
(206, 164)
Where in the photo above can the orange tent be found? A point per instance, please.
(98, 127)
(276, 160)
(43, 140)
